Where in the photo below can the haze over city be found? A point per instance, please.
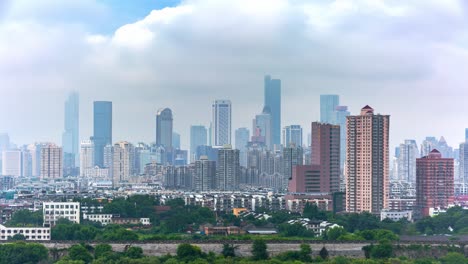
(404, 58)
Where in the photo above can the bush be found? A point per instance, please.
(324, 253)
(259, 250)
(79, 252)
(187, 252)
(229, 250)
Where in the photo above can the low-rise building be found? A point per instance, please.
(53, 211)
(29, 233)
(104, 219)
(396, 215)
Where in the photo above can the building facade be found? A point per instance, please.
(367, 158)
(86, 156)
(434, 183)
(53, 211)
(51, 162)
(273, 101)
(263, 123)
(292, 135)
(102, 130)
(221, 123)
(227, 169)
(70, 137)
(198, 137)
(204, 175)
(164, 126)
(123, 162)
(328, 104)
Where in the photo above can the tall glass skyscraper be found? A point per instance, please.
(292, 134)
(242, 139)
(328, 104)
(273, 101)
(164, 128)
(341, 112)
(221, 123)
(70, 137)
(102, 130)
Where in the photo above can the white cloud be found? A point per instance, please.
(183, 57)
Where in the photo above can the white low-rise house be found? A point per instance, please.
(29, 233)
(316, 226)
(104, 219)
(53, 211)
(396, 215)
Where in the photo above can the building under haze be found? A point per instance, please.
(227, 169)
(51, 162)
(326, 154)
(198, 137)
(367, 162)
(102, 130)
(204, 175)
(292, 135)
(86, 156)
(263, 122)
(408, 153)
(221, 122)
(242, 139)
(164, 128)
(272, 91)
(12, 163)
(70, 137)
(328, 104)
(341, 112)
(434, 183)
(123, 162)
(292, 156)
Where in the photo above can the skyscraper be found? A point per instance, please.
(51, 162)
(221, 123)
(102, 130)
(70, 137)
(367, 158)
(328, 104)
(273, 101)
(408, 153)
(175, 140)
(164, 128)
(341, 112)
(198, 137)
(205, 174)
(292, 135)
(123, 162)
(326, 154)
(263, 122)
(227, 169)
(242, 139)
(86, 156)
(434, 183)
(4, 141)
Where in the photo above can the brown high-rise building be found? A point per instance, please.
(367, 158)
(434, 183)
(326, 154)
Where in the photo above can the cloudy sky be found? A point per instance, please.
(406, 58)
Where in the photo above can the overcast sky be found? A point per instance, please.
(405, 58)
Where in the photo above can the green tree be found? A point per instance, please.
(25, 218)
(324, 253)
(313, 212)
(18, 237)
(335, 233)
(187, 252)
(22, 253)
(383, 250)
(305, 253)
(453, 258)
(134, 252)
(228, 250)
(79, 252)
(101, 250)
(259, 250)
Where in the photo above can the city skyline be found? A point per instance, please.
(115, 64)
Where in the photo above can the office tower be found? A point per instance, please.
(463, 169)
(51, 162)
(102, 130)
(263, 122)
(273, 101)
(70, 137)
(434, 183)
(292, 156)
(123, 162)
(408, 153)
(209, 151)
(326, 154)
(198, 137)
(175, 140)
(444, 148)
(221, 123)
(428, 145)
(328, 104)
(164, 128)
(86, 156)
(108, 156)
(27, 162)
(227, 169)
(306, 179)
(4, 141)
(341, 112)
(242, 139)
(292, 135)
(367, 158)
(35, 152)
(12, 163)
(205, 174)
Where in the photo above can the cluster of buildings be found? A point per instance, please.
(345, 165)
